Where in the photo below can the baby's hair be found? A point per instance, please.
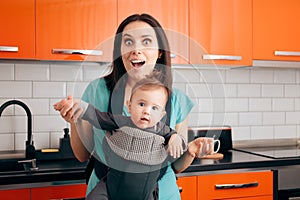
(151, 81)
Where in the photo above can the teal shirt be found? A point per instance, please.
(98, 95)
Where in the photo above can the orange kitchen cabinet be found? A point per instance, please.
(276, 30)
(75, 29)
(18, 194)
(17, 38)
(221, 32)
(171, 14)
(58, 192)
(246, 185)
(187, 187)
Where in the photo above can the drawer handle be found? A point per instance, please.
(287, 53)
(78, 51)
(231, 186)
(10, 49)
(220, 57)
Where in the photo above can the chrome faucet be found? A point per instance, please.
(30, 150)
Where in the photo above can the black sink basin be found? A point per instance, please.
(11, 165)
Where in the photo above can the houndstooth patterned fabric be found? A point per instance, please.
(137, 145)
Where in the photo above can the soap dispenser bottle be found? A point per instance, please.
(65, 146)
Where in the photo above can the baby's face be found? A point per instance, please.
(147, 107)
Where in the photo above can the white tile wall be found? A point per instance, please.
(259, 103)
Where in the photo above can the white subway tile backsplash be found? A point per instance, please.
(20, 141)
(36, 106)
(32, 72)
(49, 89)
(285, 76)
(7, 71)
(76, 89)
(285, 131)
(241, 133)
(293, 117)
(292, 90)
(238, 76)
(236, 104)
(274, 118)
(15, 89)
(48, 123)
(7, 142)
(262, 76)
(249, 90)
(41, 140)
(66, 73)
(186, 76)
(260, 104)
(272, 90)
(250, 118)
(199, 90)
(283, 104)
(262, 132)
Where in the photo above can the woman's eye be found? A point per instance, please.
(147, 41)
(128, 42)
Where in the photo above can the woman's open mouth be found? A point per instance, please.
(137, 63)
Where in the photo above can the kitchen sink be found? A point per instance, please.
(11, 165)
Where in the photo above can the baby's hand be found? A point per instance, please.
(175, 146)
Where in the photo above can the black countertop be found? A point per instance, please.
(72, 170)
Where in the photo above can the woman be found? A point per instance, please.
(140, 46)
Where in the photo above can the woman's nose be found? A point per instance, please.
(136, 52)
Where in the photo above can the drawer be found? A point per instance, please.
(244, 184)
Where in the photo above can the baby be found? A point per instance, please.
(145, 155)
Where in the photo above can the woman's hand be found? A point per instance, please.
(68, 109)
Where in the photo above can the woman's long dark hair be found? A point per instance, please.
(163, 63)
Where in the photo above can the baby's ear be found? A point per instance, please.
(163, 113)
(128, 102)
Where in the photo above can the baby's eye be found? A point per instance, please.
(141, 104)
(147, 41)
(155, 108)
(128, 42)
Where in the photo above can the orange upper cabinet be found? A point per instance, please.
(75, 29)
(221, 32)
(276, 30)
(171, 14)
(17, 29)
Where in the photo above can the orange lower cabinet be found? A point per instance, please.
(58, 192)
(18, 194)
(187, 187)
(244, 185)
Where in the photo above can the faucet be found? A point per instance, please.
(30, 150)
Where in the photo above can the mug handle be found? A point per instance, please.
(219, 145)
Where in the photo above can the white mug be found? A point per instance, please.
(208, 147)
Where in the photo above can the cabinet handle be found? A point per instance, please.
(231, 186)
(78, 51)
(180, 189)
(220, 57)
(10, 49)
(286, 53)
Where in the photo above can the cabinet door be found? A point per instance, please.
(276, 30)
(238, 185)
(171, 14)
(17, 29)
(187, 187)
(75, 29)
(19, 194)
(221, 32)
(58, 192)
